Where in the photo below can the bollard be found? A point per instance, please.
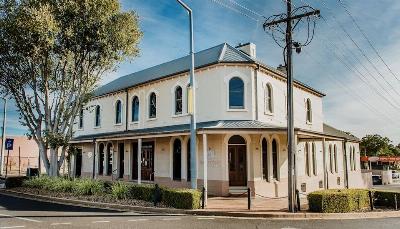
(395, 201)
(371, 201)
(298, 200)
(156, 197)
(203, 197)
(248, 199)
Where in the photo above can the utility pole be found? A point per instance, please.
(3, 136)
(290, 19)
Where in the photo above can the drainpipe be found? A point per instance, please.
(126, 110)
(256, 89)
(346, 175)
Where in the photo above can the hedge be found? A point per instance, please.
(181, 198)
(177, 198)
(12, 182)
(386, 198)
(339, 201)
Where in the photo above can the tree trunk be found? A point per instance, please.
(44, 157)
(53, 162)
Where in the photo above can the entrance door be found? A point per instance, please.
(148, 161)
(237, 165)
(78, 163)
(121, 160)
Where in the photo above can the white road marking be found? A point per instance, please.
(55, 224)
(171, 219)
(290, 228)
(137, 220)
(21, 218)
(102, 221)
(206, 218)
(11, 227)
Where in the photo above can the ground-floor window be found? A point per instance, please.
(101, 158)
(121, 159)
(307, 158)
(275, 159)
(109, 159)
(177, 152)
(330, 159)
(335, 158)
(189, 174)
(264, 146)
(314, 159)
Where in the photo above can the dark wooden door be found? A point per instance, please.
(237, 165)
(78, 165)
(148, 161)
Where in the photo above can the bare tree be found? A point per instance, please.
(53, 54)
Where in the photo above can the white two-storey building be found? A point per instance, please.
(241, 124)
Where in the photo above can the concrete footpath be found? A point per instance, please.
(209, 211)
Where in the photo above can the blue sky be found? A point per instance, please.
(354, 101)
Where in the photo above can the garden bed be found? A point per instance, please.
(111, 192)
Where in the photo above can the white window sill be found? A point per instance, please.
(179, 115)
(152, 119)
(236, 110)
(80, 129)
(117, 124)
(308, 123)
(134, 123)
(97, 127)
(268, 113)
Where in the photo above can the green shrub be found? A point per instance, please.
(37, 182)
(386, 198)
(181, 198)
(120, 190)
(141, 192)
(60, 185)
(335, 201)
(88, 187)
(12, 182)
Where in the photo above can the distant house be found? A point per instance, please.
(241, 111)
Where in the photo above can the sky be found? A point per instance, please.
(363, 94)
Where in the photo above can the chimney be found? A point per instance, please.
(282, 68)
(248, 48)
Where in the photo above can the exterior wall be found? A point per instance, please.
(279, 115)
(212, 85)
(355, 176)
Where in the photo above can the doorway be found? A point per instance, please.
(78, 163)
(237, 161)
(121, 160)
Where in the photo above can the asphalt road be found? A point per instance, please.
(22, 213)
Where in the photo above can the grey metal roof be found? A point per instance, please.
(329, 130)
(212, 125)
(223, 53)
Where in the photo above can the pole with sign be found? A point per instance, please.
(9, 146)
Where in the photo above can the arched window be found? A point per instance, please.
(269, 102)
(81, 119)
(335, 158)
(236, 93)
(118, 112)
(177, 149)
(178, 100)
(101, 159)
(309, 111)
(264, 146)
(314, 159)
(274, 159)
(152, 105)
(330, 159)
(135, 109)
(97, 116)
(307, 159)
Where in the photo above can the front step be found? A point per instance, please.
(238, 191)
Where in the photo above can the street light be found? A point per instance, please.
(3, 135)
(192, 103)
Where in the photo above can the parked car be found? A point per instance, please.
(395, 175)
(376, 179)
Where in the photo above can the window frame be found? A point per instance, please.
(133, 110)
(268, 96)
(275, 167)
(236, 108)
(150, 117)
(178, 100)
(97, 116)
(307, 159)
(265, 163)
(118, 113)
(309, 116)
(80, 119)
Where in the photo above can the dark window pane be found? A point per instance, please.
(81, 119)
(177, 160)
(236, 139)
(178, 100)
(236, 93)
(265, 158)
(153, 106)
(135, 109)
(118, 112)
(97, 115)
(274, 159)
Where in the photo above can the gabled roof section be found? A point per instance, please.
(222, 53)
(329, 130)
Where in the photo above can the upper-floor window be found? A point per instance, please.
(188, 98)
(268, 98)
(236, 93)
(97, 115)
(178, 100)
(118, 112)
(80, 119)
(135, 109)
(153, 105)
(309, 111)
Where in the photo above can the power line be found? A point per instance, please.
(234, 9)
(368, 40)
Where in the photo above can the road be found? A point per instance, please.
(23, 213)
